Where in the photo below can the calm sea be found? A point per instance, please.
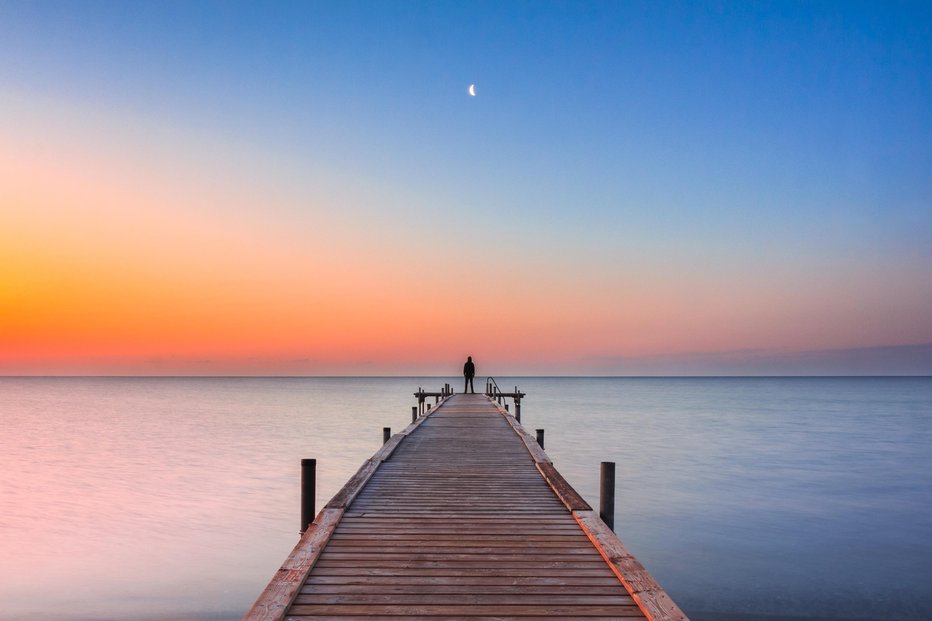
(178, 498)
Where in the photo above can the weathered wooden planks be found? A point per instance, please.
(287, 582)
(462, 515)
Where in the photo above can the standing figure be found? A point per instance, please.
(469, 372)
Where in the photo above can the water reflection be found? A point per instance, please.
(178, 498)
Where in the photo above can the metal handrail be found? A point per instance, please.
(495, 393)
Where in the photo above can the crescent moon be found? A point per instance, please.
(472, 90)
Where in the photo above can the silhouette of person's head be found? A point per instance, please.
(468, 358)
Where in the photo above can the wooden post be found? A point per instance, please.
(386, 434)
(540, 437)
(607, 494)
(518, 410)
(413, 413)
(506, 407)
(308, 492)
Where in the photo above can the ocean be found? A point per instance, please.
(177, 498)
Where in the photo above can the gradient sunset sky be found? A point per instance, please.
(308, 188)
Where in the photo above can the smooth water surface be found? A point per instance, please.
(177, 498)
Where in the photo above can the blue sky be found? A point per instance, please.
(783, 142)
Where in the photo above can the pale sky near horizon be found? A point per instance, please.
(308, 188)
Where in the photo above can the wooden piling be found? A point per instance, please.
(308, 492)
(607, 494)
(413, 413)
(386, 434)
(540, 437)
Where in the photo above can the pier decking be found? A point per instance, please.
(461, 515)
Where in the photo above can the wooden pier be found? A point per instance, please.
(461, 516)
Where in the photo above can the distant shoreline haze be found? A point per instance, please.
(883, 361)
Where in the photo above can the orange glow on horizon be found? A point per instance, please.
(111, 264)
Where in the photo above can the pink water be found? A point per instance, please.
(178, 498)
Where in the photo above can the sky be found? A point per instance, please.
(308, 188)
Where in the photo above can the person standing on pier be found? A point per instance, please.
(469, 372)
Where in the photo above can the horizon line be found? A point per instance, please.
(690, 376)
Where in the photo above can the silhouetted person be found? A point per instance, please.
(469, 372)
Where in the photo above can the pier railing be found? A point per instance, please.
(422, 395)
(496, 394)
